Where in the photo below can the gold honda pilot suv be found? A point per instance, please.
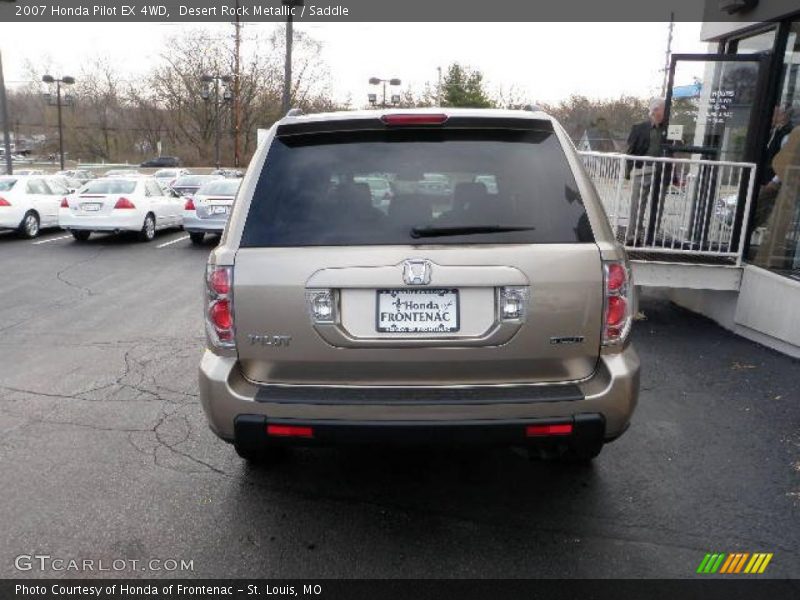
(418, 276)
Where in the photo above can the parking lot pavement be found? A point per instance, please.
(105, 454)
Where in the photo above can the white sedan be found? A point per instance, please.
(120, 204)
(29, 204)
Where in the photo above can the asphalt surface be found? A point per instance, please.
(105, 453)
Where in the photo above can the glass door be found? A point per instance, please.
(714, 106)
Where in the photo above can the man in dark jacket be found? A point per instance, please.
(650, 179)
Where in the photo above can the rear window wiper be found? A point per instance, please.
(419, 232)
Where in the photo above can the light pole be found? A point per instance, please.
(66, 80)
(287, 66)
(4, 115)
(373, 97)
(227, 96)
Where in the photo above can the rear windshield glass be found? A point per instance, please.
(194, 180)
(7, 184)
(223, 188)
(109, 186)
(443, 186)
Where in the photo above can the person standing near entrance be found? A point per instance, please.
(650, 180)
(782, 125)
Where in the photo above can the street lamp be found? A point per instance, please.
(287, 66)
(373, 98)
(66, 80)
(227, 96)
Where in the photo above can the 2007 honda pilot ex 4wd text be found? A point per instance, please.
(418, 277)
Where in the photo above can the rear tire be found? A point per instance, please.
(81, 236)
(148, 231)
(197, 237)
(29, 228)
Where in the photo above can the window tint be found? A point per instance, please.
(37, 186)
(6, 185)
(223, 188)
(109, 186)
(331, 189)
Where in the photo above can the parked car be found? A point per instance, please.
(130, 172)
(68, 184)
(503, 318)
(208, 209)
(82, 175)
(379, 188)
(162, 161)
(228, 172)
(136, 204)
(28, 204)
(166, 177)
(189, 184)
(27, 172)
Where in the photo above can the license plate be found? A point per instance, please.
(93, 207)
(417, 311)
(219, 210)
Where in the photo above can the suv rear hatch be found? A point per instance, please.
(491, 276)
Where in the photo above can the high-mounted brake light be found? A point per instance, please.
(617, 308)
(64, 203)
(4, 202)
(124, 203)
(189, 203)
(219, 306)
(413, 119)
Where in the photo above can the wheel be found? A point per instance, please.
(261, 455)
(81, 236)
(197, 237)
(148, 231)
(29, 228)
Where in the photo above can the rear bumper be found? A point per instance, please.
(119, 220)
(10, 217)
(611, 393)
(192, 223)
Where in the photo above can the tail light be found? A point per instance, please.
(124, 203)
(617, 308)
(64, 203)
(219, 306)
(4, 202)
(189, 204)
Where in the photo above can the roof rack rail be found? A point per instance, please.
(294, 112)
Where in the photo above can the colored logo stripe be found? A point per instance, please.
(734, 563)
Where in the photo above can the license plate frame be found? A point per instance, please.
(217, 210)
(91, 206)
(405, 295)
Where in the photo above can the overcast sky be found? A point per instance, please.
(544, 62)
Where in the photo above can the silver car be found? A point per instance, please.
(208, 209)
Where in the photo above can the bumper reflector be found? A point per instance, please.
(554, 429)
(290, 431)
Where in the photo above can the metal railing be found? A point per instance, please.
(675, 205)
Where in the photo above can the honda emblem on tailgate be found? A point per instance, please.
(417, 272)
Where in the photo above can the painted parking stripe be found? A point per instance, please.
(55, 239)
(180, 239)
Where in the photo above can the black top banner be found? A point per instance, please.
(385, 10)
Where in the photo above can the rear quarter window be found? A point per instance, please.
(475, 185)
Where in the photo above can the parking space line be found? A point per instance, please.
(55, 239)
(180, 239)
